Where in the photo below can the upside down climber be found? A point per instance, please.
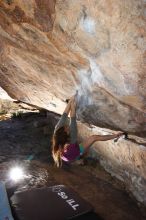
(65, 146)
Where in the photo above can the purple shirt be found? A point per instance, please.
(71, 153)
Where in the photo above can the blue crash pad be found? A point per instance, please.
(5, 211)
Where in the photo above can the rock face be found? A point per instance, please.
(51, 48)
(125, 159)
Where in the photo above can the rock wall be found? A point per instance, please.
(125, 159)
(49, 49)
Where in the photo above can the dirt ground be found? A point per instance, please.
(25, 142)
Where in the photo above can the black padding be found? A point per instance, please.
(50, 203)
(89, 216)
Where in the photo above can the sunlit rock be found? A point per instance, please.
(50, 49)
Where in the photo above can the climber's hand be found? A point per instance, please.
(120, 134)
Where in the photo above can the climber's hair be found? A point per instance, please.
(60, 138)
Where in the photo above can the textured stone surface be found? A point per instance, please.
(125, 159)
(49, 49)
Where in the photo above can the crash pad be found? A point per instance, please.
(5, 210)
(49, 203)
